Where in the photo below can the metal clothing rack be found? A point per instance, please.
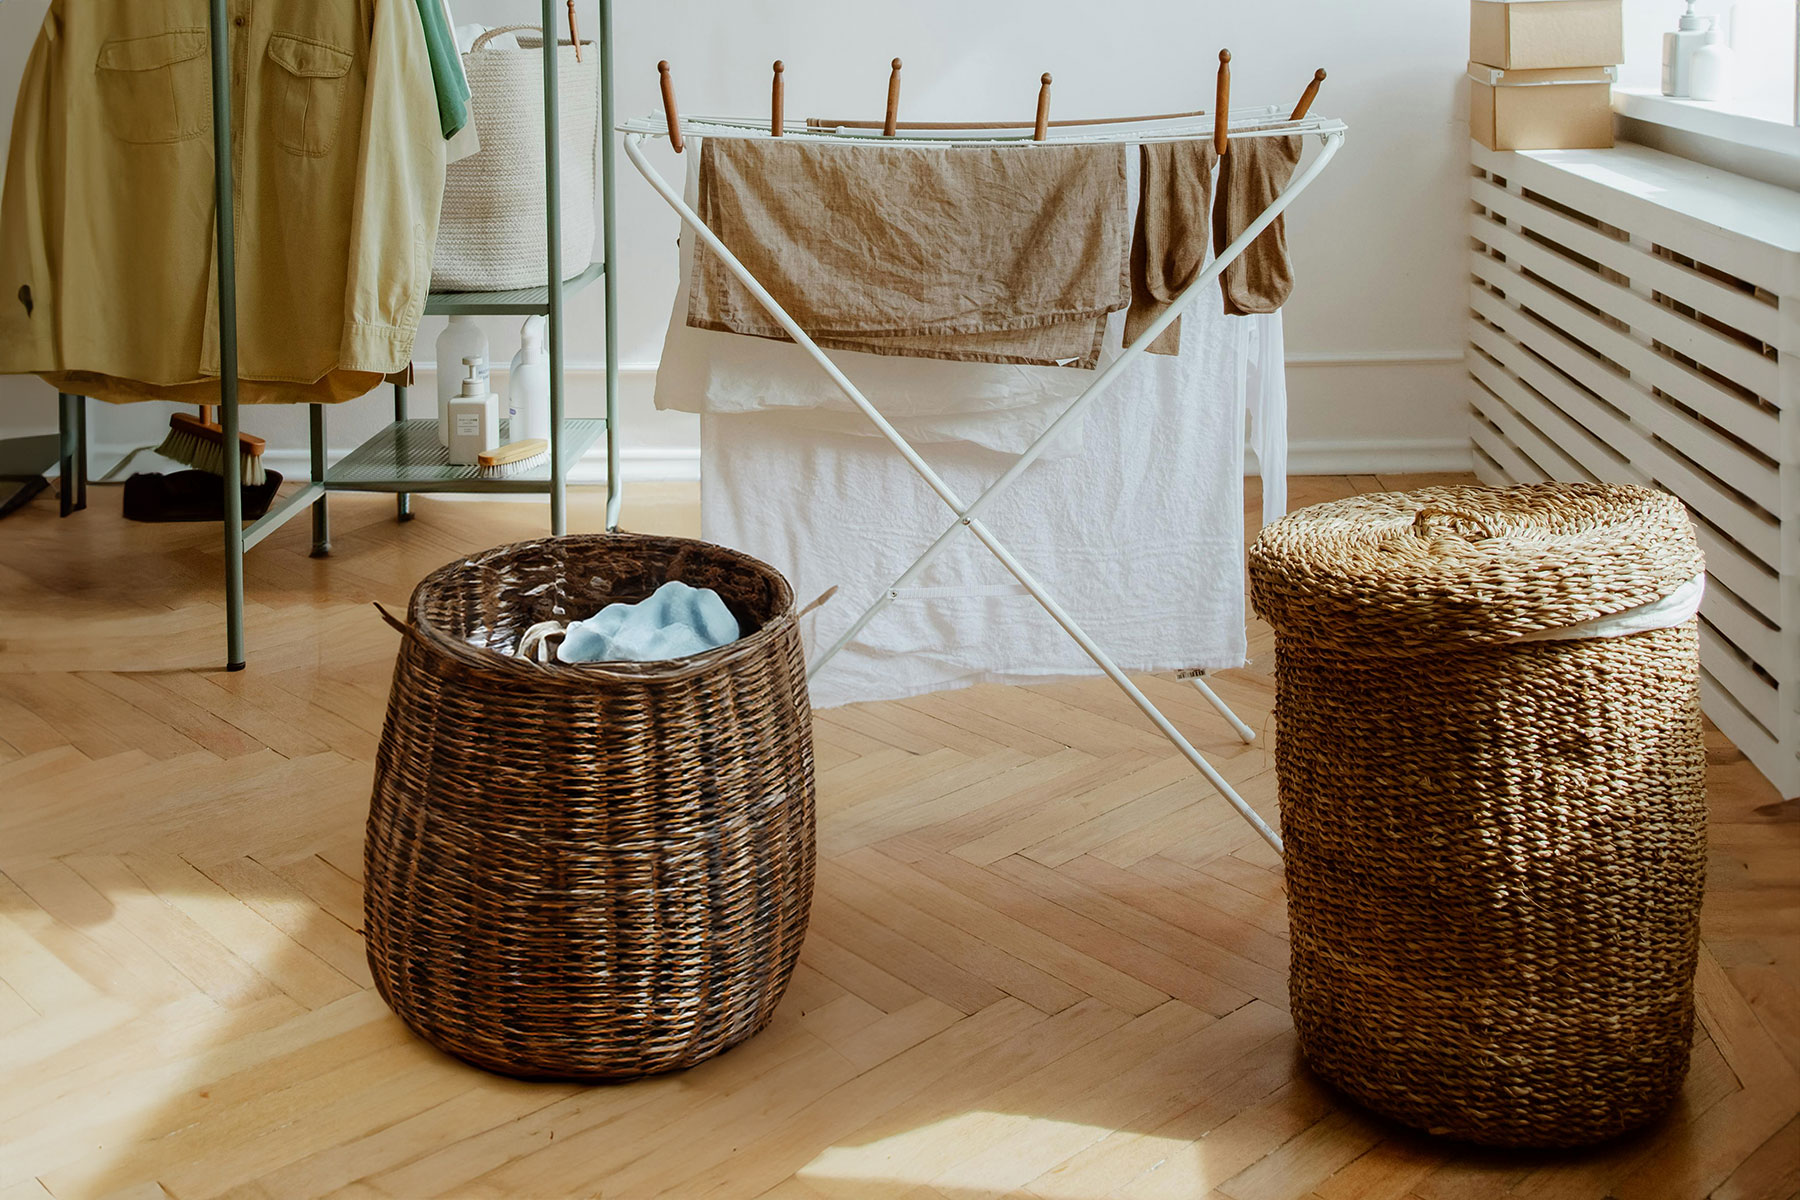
(1223, 126)
(404, 457)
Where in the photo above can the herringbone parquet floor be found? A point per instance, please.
(1045, 961)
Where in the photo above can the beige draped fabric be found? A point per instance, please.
(1174, 225)
(978, 254)
(1251, 175)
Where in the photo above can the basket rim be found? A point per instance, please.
(666, 670)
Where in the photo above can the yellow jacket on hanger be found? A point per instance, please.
(108, 264)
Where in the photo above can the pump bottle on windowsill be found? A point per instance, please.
(1709, 74)
(1679, 49)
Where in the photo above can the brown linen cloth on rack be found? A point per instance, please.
(1251, 175)
(1168, 244)
(1003, 254)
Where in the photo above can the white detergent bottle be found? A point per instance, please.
(474, 417)
(1710, 70)
(1678, 52)
(528, 390)
(461, 340)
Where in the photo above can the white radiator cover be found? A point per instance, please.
(1635, 318)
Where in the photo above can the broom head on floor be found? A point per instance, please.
(201, 445)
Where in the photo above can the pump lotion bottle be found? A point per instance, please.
(461, 340)
(474, 417)
(1679, 48)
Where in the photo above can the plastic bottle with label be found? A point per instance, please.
(474, 417)
(461, 340)
(1679, 48)
(1710, 70)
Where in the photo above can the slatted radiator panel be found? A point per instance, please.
(1636, 319)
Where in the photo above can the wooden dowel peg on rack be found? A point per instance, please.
(574, 37)
(775, 100)
(668, 93)
(892, 121)
(1222, 107)
(1043, 114)
(1307, 97)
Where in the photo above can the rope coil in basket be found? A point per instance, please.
(1495, 844)
(591, 870)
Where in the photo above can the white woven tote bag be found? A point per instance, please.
(491, 233)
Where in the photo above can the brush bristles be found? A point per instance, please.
(504, 470)
(203, 455)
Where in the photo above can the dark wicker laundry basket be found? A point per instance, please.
(600, 870)
(1495, 847)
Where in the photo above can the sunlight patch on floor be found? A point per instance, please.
(986, 1153)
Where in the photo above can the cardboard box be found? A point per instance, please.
(1531, 35)
(1565, 109)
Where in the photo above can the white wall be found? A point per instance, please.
(1374, 328)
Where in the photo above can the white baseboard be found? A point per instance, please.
(1398, 389)
(1380, 457)
(681, 464)
(643, 464)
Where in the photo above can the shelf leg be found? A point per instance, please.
(615, 486)
(81, 453)
(321, 515)
(225, 227)
(65, 431)
(402, 500)
(553, 254)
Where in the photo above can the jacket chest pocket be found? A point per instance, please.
(307, 90)
(156, 89)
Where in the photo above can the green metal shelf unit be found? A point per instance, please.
(401, 460)
(405, 456)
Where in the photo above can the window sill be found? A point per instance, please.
(1707, 120)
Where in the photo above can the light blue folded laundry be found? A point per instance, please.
(675, 622)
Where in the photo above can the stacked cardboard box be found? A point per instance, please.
(1541, 72)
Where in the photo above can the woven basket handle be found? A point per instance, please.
(403, 627)
(823, 596)
(482, 41)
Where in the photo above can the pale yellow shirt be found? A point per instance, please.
(108, 269)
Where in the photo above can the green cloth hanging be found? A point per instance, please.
(446, 68)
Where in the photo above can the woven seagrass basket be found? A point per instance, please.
(597, 870)
(1495, 842)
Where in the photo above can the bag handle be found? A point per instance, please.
(482, 41)
(537, 639)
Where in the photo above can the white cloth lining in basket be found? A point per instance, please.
(1666, 613)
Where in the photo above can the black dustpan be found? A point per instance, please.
(192, 496)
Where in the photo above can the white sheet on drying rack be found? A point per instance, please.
(1136, 524)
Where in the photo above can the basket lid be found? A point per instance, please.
(1396, 572)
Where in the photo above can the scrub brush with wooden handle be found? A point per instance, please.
(514, 458)
(201, 444)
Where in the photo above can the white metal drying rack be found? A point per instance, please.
(1241, 123)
